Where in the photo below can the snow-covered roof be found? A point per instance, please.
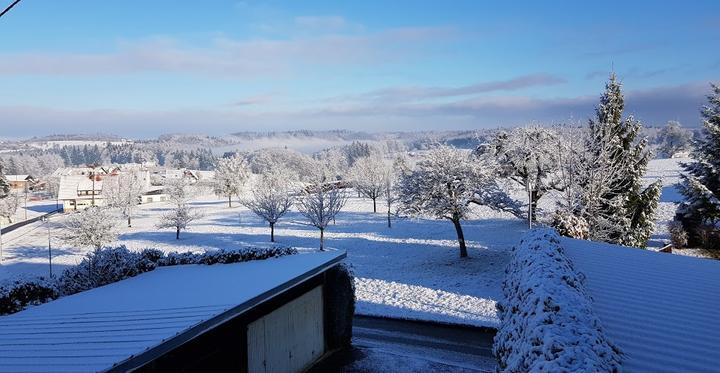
(17, 178)
(660, 309)
(99, 328)
(70, 185)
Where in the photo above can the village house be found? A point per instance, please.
(21, 183)
(78, 192)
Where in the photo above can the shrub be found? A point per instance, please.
(339, 306)
(546, 315)
(18, 293)
(105, 266)
(678, 235)
(570, 225)
(101, 267)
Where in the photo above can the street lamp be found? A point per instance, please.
(46, 220)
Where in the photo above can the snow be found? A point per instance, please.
(92, 330)
(667, 170)
(661, 309)
(411, 270)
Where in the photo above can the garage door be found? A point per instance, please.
(290, 338)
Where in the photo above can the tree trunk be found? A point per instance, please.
(389, 224)
(461, 238)
(272, 232)
(529, 195)
(374, 205)
(229, 201)
(129, 222)
(177, 233)
(534, 197)
(322, 239)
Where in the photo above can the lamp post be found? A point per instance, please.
(46, 220)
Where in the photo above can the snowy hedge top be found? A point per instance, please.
(547, 320)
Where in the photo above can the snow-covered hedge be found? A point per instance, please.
(339, 306)
(20, 292)
(112, 264)
(547, 320)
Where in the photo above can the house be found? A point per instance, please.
(153, 194)
(21, 183)
(77, 192)
(273, 315)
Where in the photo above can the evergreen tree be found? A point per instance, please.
(4, 186)
(622, 211)
(701, 180)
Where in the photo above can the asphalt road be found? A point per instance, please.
(382, 345)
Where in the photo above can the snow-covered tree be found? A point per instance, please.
(179, 192)
(368, 176)
(445, 183)
(674, 138)
(528, 156)
(391, 175)
(701, 179)
(94, 227)
(271, 198)
(178, 218)
(612, 199)
(4, 185)
(123, 192)
(231, 173)
(9, 205)
(319, 204)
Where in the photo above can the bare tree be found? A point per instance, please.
(230, 175)
(271, 198)
(368, 177)
(319, 204)
(178, 218)
(124, 192)
(179, 192)
(9, 205)
(93, 227)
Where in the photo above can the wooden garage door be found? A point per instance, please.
(290, 338)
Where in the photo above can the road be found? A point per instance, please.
(382, 345)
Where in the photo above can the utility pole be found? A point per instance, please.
(46, 219)
(26, 193)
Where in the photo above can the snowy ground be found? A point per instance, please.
(411, 270)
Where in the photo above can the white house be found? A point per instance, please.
(77, 192)
(20, 183)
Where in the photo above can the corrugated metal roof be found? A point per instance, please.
(102, 327)
(661, 309)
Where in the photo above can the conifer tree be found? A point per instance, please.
(701, 180)
(621, 211)
(4, 186)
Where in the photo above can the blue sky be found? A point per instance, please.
(142, 68)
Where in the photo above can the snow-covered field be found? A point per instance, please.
(411, 270)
